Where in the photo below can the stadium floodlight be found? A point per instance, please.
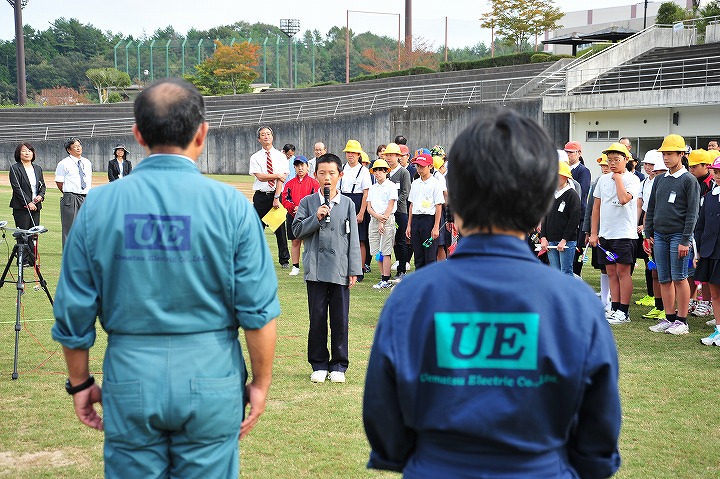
(289, 26)
(20, 50)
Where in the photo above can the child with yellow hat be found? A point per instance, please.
(558, 231)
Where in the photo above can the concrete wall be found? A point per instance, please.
(228, 150)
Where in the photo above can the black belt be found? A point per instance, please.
(77, 194)
(265, 192)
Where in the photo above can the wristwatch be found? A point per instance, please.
(277, 197)
(80, 387)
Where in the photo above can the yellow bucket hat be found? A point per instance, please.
(673, 143)
(392, 148)
(564, 170)
(618, 148)
(353, 146)
(380, 163)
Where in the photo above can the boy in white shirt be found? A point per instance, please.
(381, 205)
(424, 211)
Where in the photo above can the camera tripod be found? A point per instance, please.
(22, 254)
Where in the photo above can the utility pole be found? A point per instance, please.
(20, 50)
(408, 27)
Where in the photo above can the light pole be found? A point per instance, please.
(20, 50)
(289, 26)
(347, 39)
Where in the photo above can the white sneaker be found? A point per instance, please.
(383, 285)
(618, 317)
(318, 376)
(407, 266)
(712, 322)
(711, 340)
(609, 312)
(294, 271)
(395, 265)
(337, 377)
(678, 328)
(703, 308)
(661, 326)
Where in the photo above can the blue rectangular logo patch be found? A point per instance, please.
(155, 232)
(487, 340)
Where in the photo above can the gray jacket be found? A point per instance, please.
(332, 250)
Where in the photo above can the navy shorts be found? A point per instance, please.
(623, 248)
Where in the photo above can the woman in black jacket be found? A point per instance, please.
(28, 189)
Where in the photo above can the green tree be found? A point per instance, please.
(669, 13)
(105, 78)
(518, 20)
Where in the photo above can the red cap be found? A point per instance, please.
(404, 150)
(423, 159)
(572, 146)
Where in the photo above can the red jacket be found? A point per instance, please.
(295, 190)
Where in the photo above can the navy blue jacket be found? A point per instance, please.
(708, 228)
(475, 380)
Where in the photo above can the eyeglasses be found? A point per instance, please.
(615, 160)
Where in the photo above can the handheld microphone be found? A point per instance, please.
(326, 194)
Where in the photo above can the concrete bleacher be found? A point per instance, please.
(13, 117)
(658, 69)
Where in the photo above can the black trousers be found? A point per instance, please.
(401, 246)
(263, 203)
(335, 299)
(420, 231)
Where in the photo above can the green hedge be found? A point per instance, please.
(547, 57)
(398, 73)
(501, 61)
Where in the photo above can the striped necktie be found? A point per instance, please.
(271, 183)
(82, 175)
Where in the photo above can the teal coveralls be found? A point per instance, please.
(172, 263)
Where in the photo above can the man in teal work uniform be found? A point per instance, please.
(172, 276)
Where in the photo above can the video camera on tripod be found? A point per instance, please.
(22, 252)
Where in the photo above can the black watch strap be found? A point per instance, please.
(80, 387)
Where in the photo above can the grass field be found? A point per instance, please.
(315, 430)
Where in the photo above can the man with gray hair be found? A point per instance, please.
(319, 150)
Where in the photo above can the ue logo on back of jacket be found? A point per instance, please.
(155, 232)
(487, 340)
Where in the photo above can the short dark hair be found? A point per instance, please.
(19, 147)
(69, 142)
(169, 113)
(504, 173)
(400, 140)
(288, 147)
(329, 158)
(264, 127)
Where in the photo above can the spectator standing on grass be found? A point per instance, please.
(669, 223)
(560, 224)
(119, 166)
(480, 381)
(354, 184)
(653, 165)
(614, 228)
(73, 177)
(270, 168)
(425, 203)
(382, 203)
(295, 190)
(400, 177)
(581, 174)
(698, 162)
(587, 221)
(332, 264)
(174, 379)
(28, 193)
(707, 234)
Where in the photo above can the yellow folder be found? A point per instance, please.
(275, 217)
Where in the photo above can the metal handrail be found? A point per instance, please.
(469, 92)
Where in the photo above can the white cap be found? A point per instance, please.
(562, 156)
(660, 166)
(653, 157)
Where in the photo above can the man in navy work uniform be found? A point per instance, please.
(173, 376)
(479, 382)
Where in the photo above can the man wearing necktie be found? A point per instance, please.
(270, 168)
(73, 177)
